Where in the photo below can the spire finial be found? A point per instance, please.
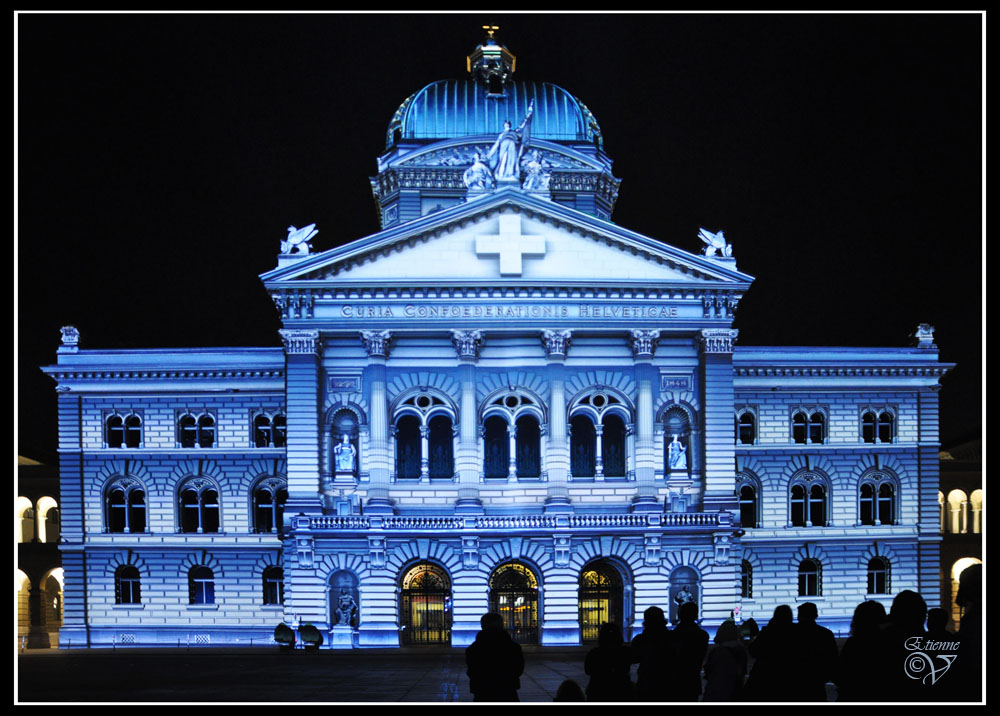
(490, 29)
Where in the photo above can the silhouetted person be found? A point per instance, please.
(969, 686)
(652, 651)
(608, 667)
(690, 642)
(943, 642)
(817, 655)
(937, 625)
(494, 662)
(906, 621)
(774, 672)
(726, 666)
(749, 630)
(861, 657)
(569, 690)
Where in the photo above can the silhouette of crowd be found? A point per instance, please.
(888, 657)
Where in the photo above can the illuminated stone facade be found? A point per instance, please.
(500, 401)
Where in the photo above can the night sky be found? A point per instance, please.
(160, 159)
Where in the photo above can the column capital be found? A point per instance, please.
(376, 343)
(644, 342)
(467, 343)
(299, 341)
(718, 340)
(556, 343)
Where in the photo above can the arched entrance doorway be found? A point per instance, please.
(425, 605)
(601, 599)
(514, 596)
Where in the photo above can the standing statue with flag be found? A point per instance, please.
(505, 154)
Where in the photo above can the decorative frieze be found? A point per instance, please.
(294, 304)
(556, 343)
(300, 342)
(467, 343)
(376, 343)
(718, 340)
(644, 342)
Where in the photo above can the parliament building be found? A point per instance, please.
(500, 401)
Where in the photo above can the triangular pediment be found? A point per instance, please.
(509, 236)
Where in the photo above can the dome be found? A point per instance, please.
(450, 109)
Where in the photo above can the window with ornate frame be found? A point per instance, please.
(748, 495)
(123, 431)
(269, 497)
(878, 496)
(600, 421)
(809, 425)
(198, 506)
(424, 432)
(125, 506)
(512, 427)
(746, 426)
(196, 430)
(878, 425)
(808, 500)
(268, 429)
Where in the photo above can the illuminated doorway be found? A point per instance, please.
(600, 599)
(426, 606)
(514, 596)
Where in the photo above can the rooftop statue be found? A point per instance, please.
(537, 172)
(506, 152)
(298, 240)
(715, 242)
(478, 177)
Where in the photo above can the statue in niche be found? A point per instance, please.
(678, 455)
(506, 152)
(346, 608)
(298, 240)
(537, 172)
(344, 455)
(683, 596)
(478, 177)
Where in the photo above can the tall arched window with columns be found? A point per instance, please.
(424, 433)
(512, 421)
(600, 434)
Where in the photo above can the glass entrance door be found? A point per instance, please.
(426, 606)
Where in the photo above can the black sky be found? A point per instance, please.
(160, 158)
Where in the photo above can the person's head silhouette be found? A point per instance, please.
(687, 612)
(808, 612)
(491, 622)
(653, 618)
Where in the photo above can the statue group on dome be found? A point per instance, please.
(506, 159)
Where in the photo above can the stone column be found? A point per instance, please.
(556, 345)
(425, 434)
(303, 387)
(643, 346)
(467, 344)
(719, 459)
(598, 451)
(380, 461)
(512, 452)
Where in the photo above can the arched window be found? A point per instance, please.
(123, 431)
(274, 586)
(747, 493)
(201, 586)
(528, 446)
(269, 497)
(514, 596)
(746, 580)
(958, 504)
(196, 431)
(50, 521)
(279, 430)
(746, 427)
(26, 515)
(426, 605)
(808, 426)
(601, 599)
(976, 503)
(408, 447)
(127, 585)
(125, 506)
(810, 578)
(878, 575)
(808, 498)
(877, 425)
(613, 446)
(262, 430)
(583, 456)
(496, 448)
(198, 501)
(440, 447)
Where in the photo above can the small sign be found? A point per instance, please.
(675, 382)
(343, 384)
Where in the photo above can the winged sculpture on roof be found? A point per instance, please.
(715, 243)
(298, 240)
